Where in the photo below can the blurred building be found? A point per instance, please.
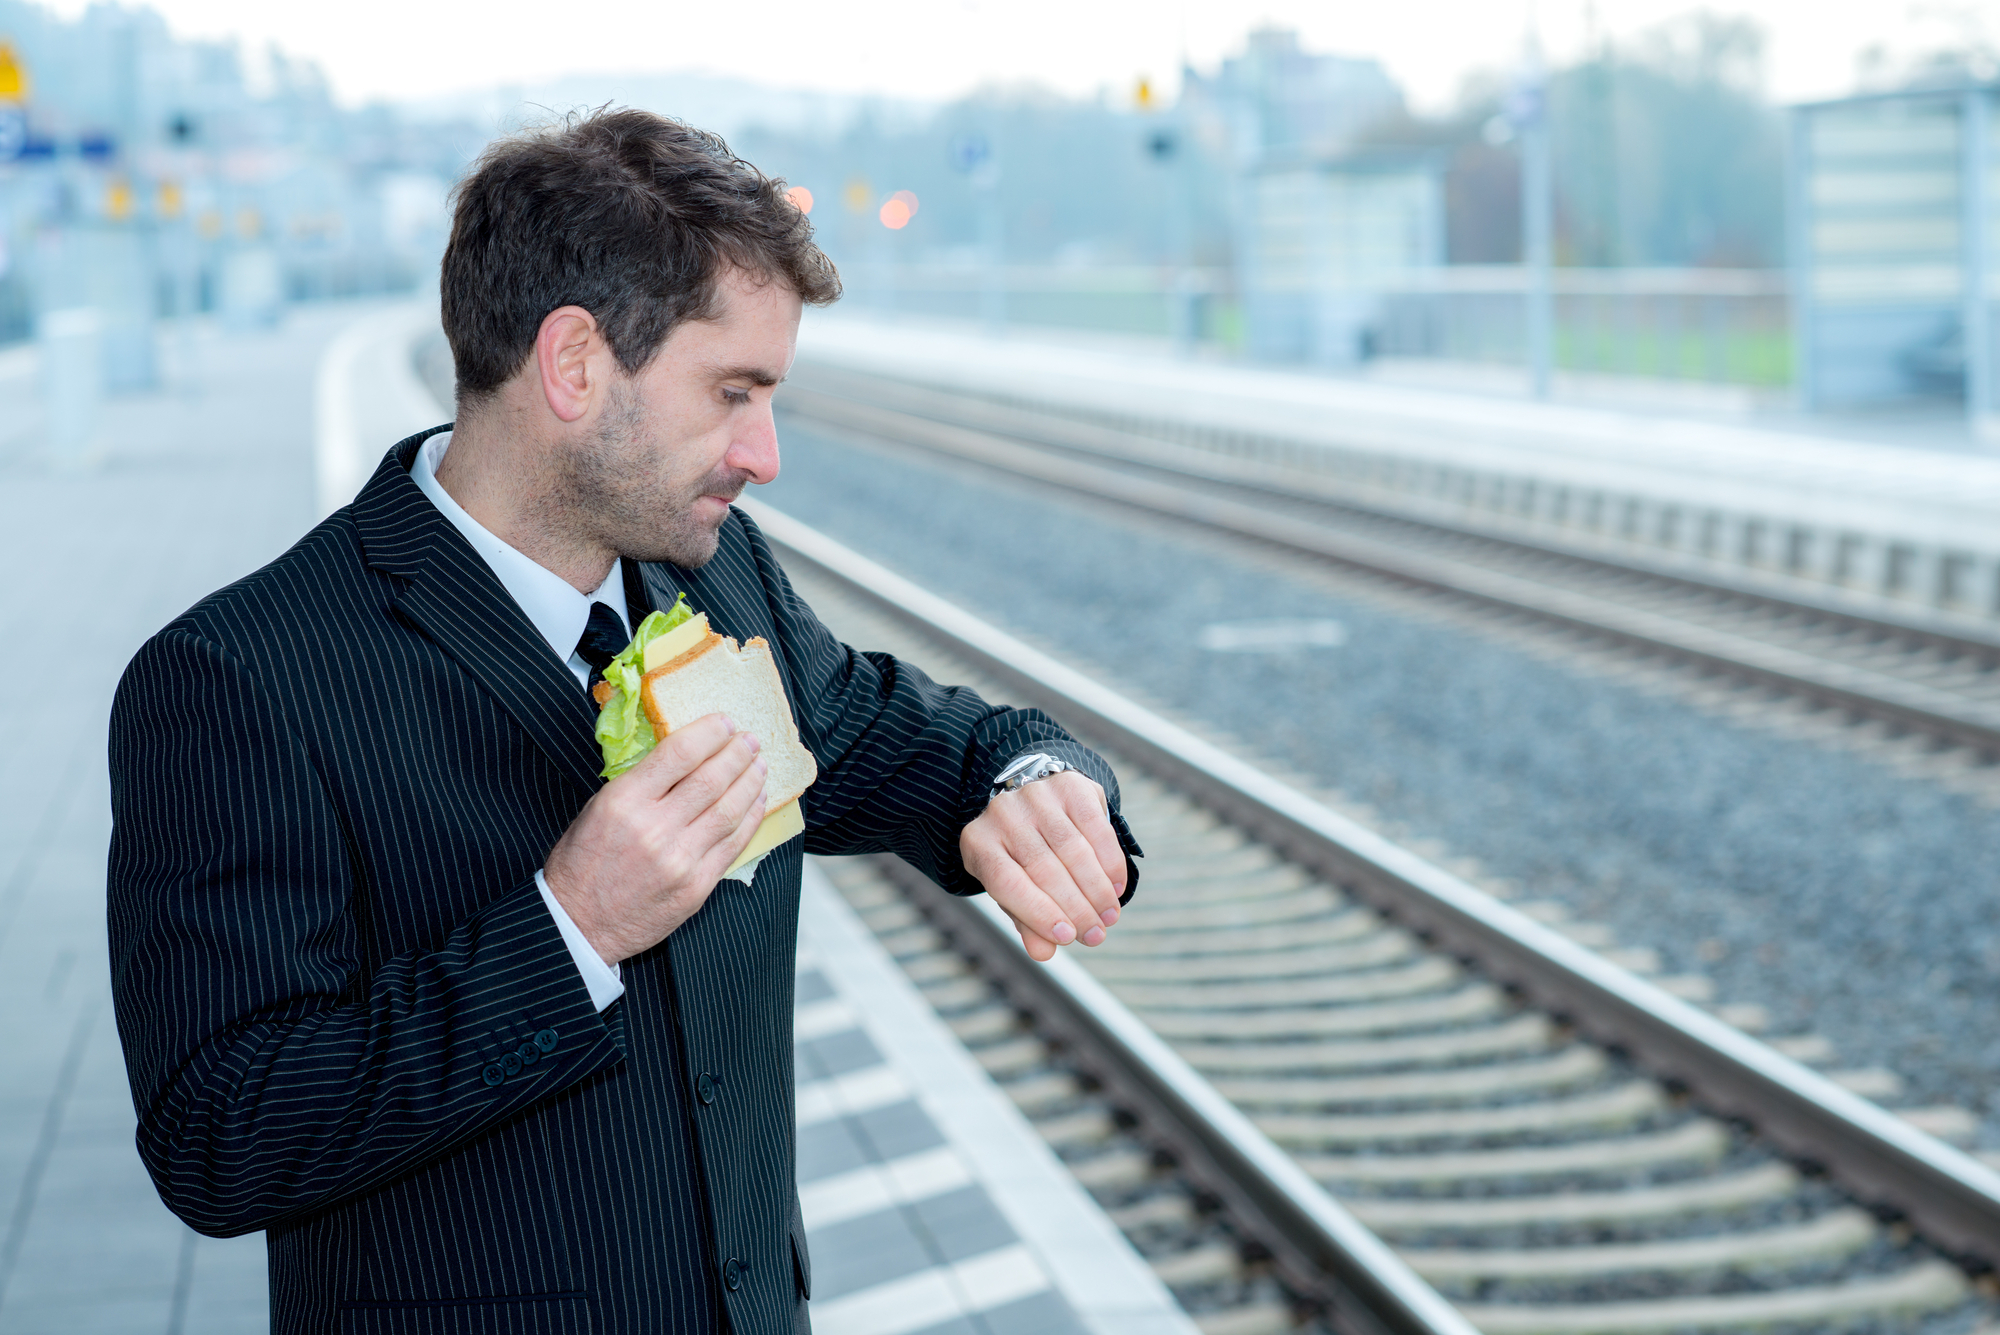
(142, 176)
(1324, 240)
(1892, 208)
(1321, 227)
(1277, 98)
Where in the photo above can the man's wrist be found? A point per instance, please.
(604, 980)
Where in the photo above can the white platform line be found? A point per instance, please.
(877, 1186)
(851, 1094)
(822, 1018)
(932, 1296)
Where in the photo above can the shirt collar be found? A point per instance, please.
(557, 610)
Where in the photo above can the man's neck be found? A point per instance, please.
(503, 482)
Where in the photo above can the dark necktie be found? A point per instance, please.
(603, 638)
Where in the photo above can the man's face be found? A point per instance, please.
(676, 443)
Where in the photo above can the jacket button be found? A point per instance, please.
(704, 1089)
(546, 1040)
(529, 1054)
(493, 1074)
(732, 1274)
(512, 1062)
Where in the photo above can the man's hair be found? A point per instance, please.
(633, 217)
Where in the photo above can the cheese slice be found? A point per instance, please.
(778, 827)
(677, 641)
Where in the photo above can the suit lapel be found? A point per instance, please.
(453, 596)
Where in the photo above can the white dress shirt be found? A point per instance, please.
(560, 613)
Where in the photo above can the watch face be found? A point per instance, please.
(1027, 770)
(1022, 769)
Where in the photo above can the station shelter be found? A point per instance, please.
(1324, 239)
(1891, 212)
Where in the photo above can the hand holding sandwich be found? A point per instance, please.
(693, 797)
(1047, 854)
(687, 803)
(650, 846)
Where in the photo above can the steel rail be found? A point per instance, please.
(1945, 1194)
(1935, 627)
(1320, 1249)
(1857, 689)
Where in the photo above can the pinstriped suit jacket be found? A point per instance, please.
(332, 784)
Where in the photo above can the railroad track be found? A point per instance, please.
(1918, 671)
(1301, 1030)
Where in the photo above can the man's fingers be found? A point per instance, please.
(703, 788)
(1092, 814)
(739, 811)
(1039, 827)
(679, 755)
(1028, 902)
(1061, 829)
(1039, 950)
(1038, 852)
(1048, 855)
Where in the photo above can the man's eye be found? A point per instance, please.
(736, 395)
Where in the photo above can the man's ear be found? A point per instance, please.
(570, 357)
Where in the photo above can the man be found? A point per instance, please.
(479, 1040)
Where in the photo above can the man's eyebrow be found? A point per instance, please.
(756, 375)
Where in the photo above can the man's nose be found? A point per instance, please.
(754, 450)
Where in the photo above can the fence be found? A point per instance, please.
(1726, 326)
(1119, 299)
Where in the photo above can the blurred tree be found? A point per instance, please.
(1669, 154)
(1666, 153)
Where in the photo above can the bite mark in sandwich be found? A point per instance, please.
(677, 670)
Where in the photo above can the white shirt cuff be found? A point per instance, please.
(605, 981)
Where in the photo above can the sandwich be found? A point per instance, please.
(676, 670)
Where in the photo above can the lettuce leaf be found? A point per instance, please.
(623, 731)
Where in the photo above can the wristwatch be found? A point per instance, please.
(1026, 769)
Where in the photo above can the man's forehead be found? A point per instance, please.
(749, 337)
(741, 288)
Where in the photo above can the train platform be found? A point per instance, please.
(930, 1203)
(1856, 518)
(186, 488)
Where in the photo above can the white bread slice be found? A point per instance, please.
(718, 677)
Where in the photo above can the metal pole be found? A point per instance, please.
(993, 294)
(1538, 232)
(1972, 244)
(1798, 239)
(1183, 315)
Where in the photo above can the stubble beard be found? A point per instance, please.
(624, 490)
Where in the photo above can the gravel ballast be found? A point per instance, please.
(1846, 898)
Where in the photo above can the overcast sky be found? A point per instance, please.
(938, 48)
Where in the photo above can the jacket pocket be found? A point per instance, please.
(517, 1314)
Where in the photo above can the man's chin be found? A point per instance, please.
(689, 546)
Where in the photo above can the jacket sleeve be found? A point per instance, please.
(274, 1076)
(905, 764)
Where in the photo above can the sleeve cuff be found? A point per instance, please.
(605, 981)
